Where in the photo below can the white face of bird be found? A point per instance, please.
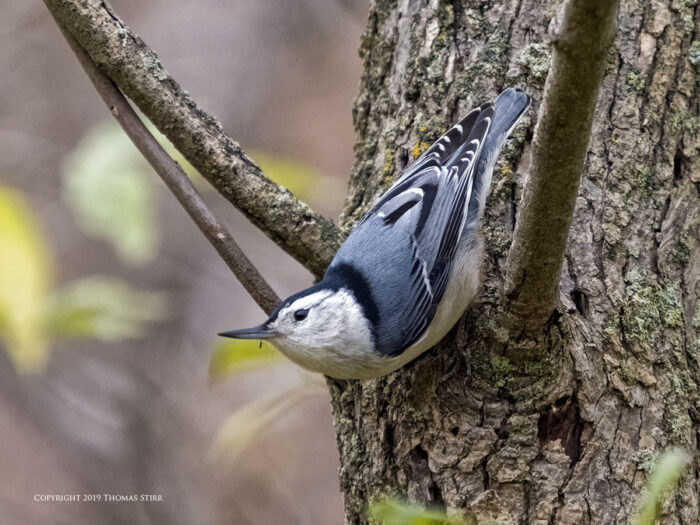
(326, 325)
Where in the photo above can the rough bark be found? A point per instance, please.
(564, 431)
(582, 33)
(138, 72)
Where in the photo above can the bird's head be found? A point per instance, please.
(320, 324)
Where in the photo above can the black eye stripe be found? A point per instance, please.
(301, 314)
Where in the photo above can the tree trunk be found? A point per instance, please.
(564, 430)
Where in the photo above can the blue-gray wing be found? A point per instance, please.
(408, 239)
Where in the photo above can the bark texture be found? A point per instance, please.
(566, 430)
(582, 33)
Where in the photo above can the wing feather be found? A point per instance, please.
(458, 172)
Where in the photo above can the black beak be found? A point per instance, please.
(256, 332)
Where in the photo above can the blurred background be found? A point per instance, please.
(112, 378)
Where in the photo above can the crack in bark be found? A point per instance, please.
(562, 422)
(611, 469)
(656, 237)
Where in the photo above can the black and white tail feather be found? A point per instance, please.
(510, 106)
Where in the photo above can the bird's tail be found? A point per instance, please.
(510, 106)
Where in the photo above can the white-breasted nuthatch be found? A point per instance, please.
(411, 266)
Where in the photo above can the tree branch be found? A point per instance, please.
(136, 70)
(582, 35)
(177, 181)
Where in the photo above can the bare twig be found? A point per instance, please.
(177, 181)
(137, 71)
(582, 35)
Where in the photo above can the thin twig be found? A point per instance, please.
(136, 70)
(582, 35)
(177, 181)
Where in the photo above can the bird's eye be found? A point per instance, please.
(300, 315)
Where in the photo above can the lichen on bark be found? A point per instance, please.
(564, 431)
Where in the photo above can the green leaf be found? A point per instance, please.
(243, 426)
(103, 307)
(389, 511)
(25, 278)
(234, 356)
(110, 189)
(661, 485)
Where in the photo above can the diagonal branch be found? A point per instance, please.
(582, 35)
(177, 181)
(137, 71)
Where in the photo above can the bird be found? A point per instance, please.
(411, 266)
